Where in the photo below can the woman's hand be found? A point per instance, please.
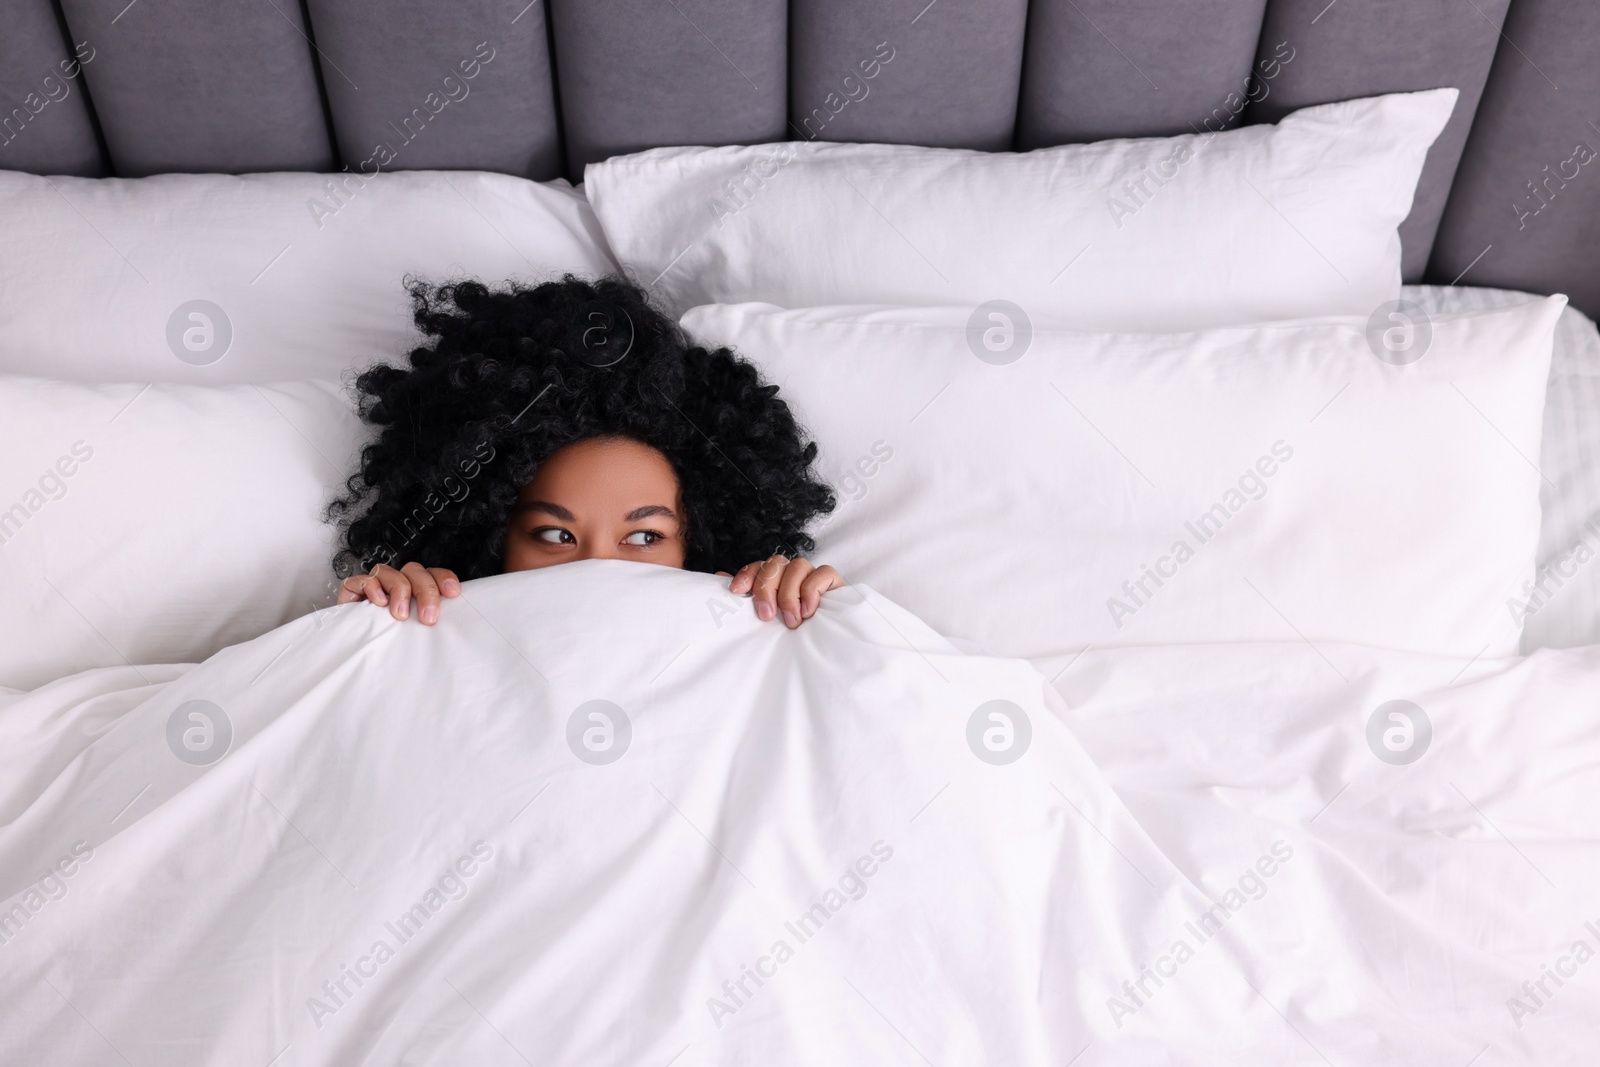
(397, 588)
(779, 585)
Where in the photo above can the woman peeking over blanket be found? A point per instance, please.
(571, 421)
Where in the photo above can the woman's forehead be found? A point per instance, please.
(605, 474)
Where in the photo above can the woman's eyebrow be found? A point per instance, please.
(648, 510)
(554, 510)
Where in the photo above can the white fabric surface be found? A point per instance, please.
(579, 913)
(185, 481)
(1421, 897)
(1245, 484)
(305, 269)
(1258, 223)
(1563, 609)
(612, 902)
(159, 523)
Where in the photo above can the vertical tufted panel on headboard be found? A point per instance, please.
(423, 85)
(1131, 68)
(194, 85)
(1354, 48)
(542, 87)
(944, 73)
(634, 74)
(45, 124)
(1525, 210)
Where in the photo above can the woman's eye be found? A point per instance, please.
(554, 535)
(643, 538)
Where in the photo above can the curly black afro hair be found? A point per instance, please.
(510, 375)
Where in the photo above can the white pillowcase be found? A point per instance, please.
(1562, 608)
(1248, 225)
(97, 276)
(1270, 483)
(160, 523)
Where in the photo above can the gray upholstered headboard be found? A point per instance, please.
(1510, 196)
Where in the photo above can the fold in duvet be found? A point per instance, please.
(601, 814)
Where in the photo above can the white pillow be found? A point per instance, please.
(1562, 608)
(303, 272)
(1319, 492)
(1249, 225)
(160, 523)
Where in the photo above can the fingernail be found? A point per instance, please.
(452, 586)
(764, 611)
(789, 620)
(405, 609)
(430, 615)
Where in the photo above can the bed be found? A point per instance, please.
(1212, 398)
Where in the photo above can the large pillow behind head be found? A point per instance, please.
(1300, 482)
(159, 523)
(1176, 233)
(261, 277)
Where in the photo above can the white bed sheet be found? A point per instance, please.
(599, 909)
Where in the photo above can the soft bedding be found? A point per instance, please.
(1299, 804)
(160, 522)
(82, 540)
(567, 825)
(1561, 609)
(577, 820)
(1207, 228)
(1440, 906)
(1073, 489)
(258, 277)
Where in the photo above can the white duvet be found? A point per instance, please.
(600, 814)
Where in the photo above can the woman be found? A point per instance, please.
(565, 421)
